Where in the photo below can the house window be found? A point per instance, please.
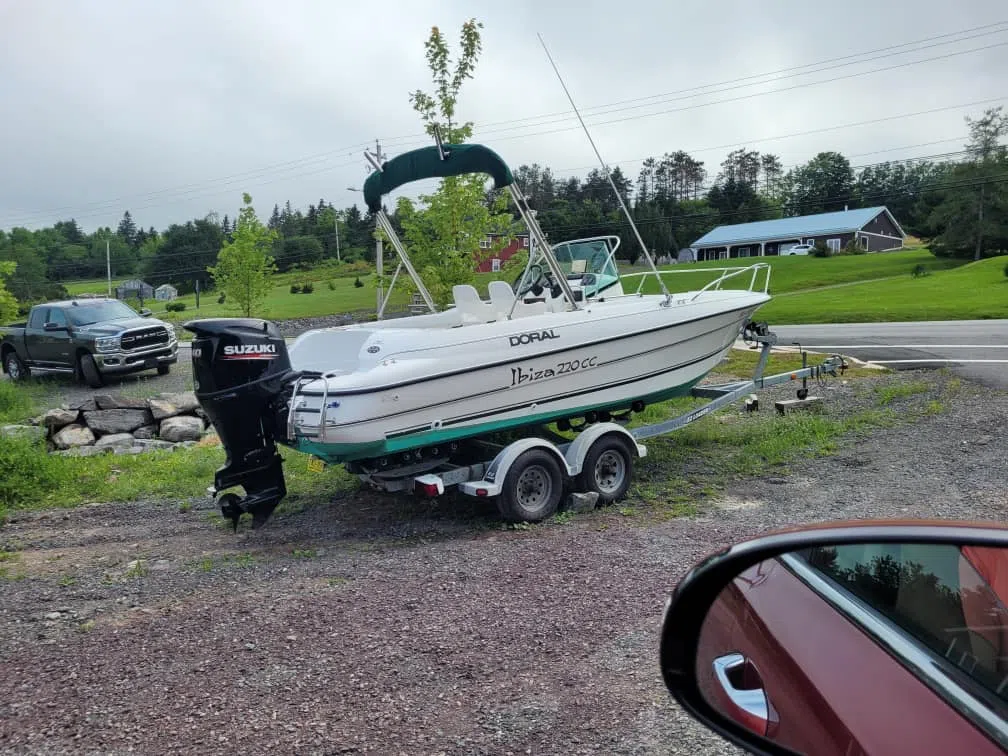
(722, 254)
(525, 241)
(743, 252)
(495, 264)
(485, 243)
(833, 244)
(863, 241)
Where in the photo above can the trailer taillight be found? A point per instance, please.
(428, 485)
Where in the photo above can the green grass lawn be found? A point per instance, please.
(789, 274)
(805, 289)
(974, 291)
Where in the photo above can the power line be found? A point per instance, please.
(100, 207)
(733, 145)
(889, 50)
(861, 198)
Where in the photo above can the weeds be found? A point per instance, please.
(888, 394)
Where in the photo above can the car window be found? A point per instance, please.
(56, 316)
(38, 316)
(939, 595)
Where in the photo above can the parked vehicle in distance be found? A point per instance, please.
(88, 338)
(848, 638)
(797, 249)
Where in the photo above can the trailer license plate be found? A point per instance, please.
(315, 465)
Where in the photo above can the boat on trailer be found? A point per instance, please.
(565, 343)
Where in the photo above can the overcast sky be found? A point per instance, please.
(172, 109)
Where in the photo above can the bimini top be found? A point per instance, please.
(427, 163)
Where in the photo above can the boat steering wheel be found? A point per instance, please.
(538, 280)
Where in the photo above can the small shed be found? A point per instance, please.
(134, 288)
(165, 293)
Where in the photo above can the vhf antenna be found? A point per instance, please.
(605, 168)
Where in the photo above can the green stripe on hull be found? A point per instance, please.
(339, 453)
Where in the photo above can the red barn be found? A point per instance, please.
(493, 263)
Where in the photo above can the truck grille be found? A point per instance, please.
(145, 338)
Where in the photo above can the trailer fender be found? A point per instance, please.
(578, 449)
(494, 476)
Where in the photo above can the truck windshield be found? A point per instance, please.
(96, 312)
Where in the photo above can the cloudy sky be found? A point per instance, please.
(172, 109)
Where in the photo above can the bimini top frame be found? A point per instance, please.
(441, 161)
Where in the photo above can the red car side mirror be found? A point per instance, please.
(824, 639)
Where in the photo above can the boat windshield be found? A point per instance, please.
(578, 258)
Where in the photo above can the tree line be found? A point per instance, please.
(959, 203)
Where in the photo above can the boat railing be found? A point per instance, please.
(759, 274)
(728, 273)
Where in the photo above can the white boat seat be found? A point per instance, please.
(501, 298)
(470, 306)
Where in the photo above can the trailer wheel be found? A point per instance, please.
(532, 487)
(608, 468)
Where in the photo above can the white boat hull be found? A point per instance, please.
(407, 387)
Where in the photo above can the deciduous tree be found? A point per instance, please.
(443, 235)
(244, 265)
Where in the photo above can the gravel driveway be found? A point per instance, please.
(388, 625)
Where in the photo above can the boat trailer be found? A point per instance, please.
(527, 477)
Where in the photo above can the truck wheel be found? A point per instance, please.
(15, 368)
(163, 369)
(532, 488)
(607, 469)
(89, 370)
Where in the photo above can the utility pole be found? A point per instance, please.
(108, 267)
(379, 251)
(336, 223)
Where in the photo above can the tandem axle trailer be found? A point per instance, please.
(529, 476)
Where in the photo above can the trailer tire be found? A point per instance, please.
(607, 469)
(532, 487)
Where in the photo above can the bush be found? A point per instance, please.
(221, 298)
(821, 250)
(308, 287)
(920, 271)
(175, 306)
(357, 283)
(1006, 270)
(332, 285)
(852, 248)
(295, 289)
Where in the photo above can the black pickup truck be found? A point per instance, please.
(88, 338)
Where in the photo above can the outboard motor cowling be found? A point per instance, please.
(240, 370)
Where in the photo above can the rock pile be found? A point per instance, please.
(119, 424)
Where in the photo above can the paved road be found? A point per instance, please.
(975, 349)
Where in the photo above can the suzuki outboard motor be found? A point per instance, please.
(240, 369)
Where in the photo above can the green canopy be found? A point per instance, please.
(427, 163)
